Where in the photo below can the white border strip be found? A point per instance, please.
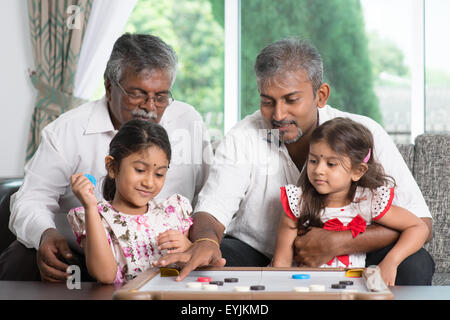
(232, 77)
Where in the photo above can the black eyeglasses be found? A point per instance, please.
(161, 100)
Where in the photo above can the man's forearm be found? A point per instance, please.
(29, 223)
(206, 226)
(374, 238)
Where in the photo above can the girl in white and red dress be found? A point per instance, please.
(120, 233)
(344, 188)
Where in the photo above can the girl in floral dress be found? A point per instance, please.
(120, 233)
(344, 188)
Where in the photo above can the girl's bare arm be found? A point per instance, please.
(284, 250)
(100, 260)
(414, 233)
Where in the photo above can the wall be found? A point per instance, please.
(17, 93)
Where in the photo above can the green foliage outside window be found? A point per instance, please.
(189, 27)
(335, 27)
(195, 29)
(355, 64)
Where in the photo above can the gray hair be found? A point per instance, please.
(289, 55)
(138, 52)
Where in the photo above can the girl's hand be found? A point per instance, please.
(174, 241)
(83, 189)
(388, 272)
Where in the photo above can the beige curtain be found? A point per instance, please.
(57, 28)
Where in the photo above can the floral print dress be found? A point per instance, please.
(133, 237)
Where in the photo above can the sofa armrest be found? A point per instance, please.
(8, 186)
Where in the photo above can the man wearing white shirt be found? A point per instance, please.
(241, 197)
(138, 78)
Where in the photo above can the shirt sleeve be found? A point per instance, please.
(381, 202)
(181, 207)
(46, 179)
(290, 199)
(76, 217)
(229, 178)
(407, 192)
(202, 170)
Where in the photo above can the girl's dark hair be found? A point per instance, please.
(134, 136)
(348, 139)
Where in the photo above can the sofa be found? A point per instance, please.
(428, 160)
(8, 186)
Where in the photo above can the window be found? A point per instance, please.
(197, 36)
(390, 39)
(386, 59)
(437, 62)
(365, 46)
(336, 29)
(373, 54)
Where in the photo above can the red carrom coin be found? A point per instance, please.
(204, 279)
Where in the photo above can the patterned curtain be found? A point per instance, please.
(57, 28)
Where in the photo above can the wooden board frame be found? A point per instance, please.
(130, 291)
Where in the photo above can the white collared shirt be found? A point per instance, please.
(78, 141)
(243, 189)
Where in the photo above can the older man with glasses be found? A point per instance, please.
(138, 77)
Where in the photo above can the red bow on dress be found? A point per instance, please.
(356, 226)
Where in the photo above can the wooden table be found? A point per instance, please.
(33, 290)
(55, 300)
(36, 290)
(259, 283)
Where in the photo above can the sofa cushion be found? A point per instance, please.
(432, 173)
(441, 279)
(407, 152)
(8, 186)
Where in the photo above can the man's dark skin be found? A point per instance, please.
(289, 96)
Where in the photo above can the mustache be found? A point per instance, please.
(281, 123)
(140, 113)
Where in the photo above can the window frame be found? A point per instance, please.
(232, 67)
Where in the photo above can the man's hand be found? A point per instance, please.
(314, 247)
(52, 249)
(202, 253)
(317, 246)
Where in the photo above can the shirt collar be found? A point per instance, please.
(99, 120)
(324, 114)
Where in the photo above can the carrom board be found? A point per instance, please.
(278, 285)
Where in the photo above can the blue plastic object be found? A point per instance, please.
(301, 276)
(91, 178)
